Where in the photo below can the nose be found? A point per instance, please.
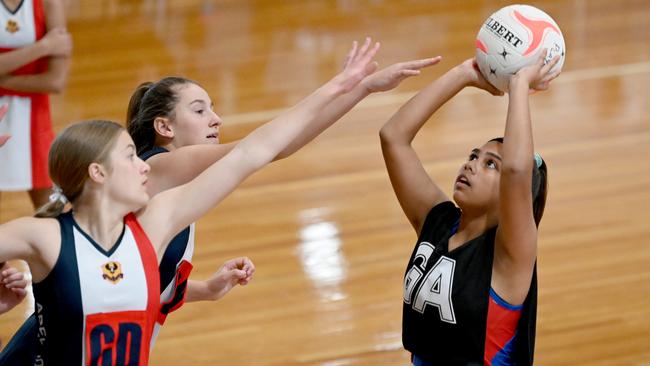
(470, 165)
(216, 120)
(145, 168)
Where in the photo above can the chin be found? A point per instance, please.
(140, 202)
(459, 198)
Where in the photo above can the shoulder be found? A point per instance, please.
(36, 240)
(44, 230)
(35, 226)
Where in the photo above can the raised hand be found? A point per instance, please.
(538, 76)
(391, 76)
(232, 272)
(470, 69)
(12, 287)
(3, 110)
(358, 65)
(58, 42)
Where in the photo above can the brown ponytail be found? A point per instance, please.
(149, 101)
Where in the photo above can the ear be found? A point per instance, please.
(163, 127)
(97, 172)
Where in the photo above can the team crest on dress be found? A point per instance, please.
(12, 26)
(112, 272)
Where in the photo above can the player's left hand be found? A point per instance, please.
(391, 76)
(538, 76)
(233, 272)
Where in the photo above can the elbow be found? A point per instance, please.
(516, 171)
(385, 135)
(252, 158)
(57, 85)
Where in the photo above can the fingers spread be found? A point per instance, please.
(353, 53)
(365, 46)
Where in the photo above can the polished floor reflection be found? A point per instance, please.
(323, 227)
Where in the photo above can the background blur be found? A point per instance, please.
(323, 226)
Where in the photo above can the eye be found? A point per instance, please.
(131, 156)
(472, 156)
(200, 111)
(491, 164)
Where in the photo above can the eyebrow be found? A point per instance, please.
(197, 101)
(478, 152)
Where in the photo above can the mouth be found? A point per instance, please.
(213, 136)
(462, 180)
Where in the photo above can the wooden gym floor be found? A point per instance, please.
(323, 227)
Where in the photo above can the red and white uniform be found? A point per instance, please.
(23, 160)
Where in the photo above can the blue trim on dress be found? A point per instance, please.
(417, 361)
(503, 303)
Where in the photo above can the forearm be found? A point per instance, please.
(518, 135)
(12, 60)
(198, 291)
(402, 127)
(51, 81)
(249, 155)
(54, 79)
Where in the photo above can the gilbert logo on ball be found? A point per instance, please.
(512, 38)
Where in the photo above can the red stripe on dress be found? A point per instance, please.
(41, 137)
(40, 25)
(35, 67)
(150, 264)
(41, 133)
(501, 327)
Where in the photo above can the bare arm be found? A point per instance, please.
(34, 240)
(516, 238)
(55, 43)
(190, 161)
(415, 190)
(237, 271)
(192, 200)
(56, 76)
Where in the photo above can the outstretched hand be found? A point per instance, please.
(3, 110)
(538, 76)
(358, 64)
(233, 272)
(391, 76)
(12, 287)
